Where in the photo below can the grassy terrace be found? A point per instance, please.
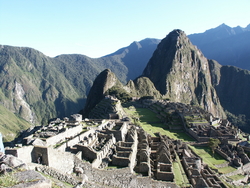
(151, 124)
(207, 157)
(180, 176)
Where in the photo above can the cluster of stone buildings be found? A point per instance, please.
(97, 145)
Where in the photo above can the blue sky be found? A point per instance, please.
(99, 27)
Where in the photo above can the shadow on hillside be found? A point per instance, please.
(66, 107)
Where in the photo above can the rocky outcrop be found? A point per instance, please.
(107, 80)
(15, 169)
(103, 82)
(181, 73)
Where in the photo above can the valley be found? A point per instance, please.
(167, 127)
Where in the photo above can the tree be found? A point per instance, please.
(213, 144)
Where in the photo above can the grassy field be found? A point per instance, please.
(237, 177)
(207, 157)
(179, 174)
(152, 125)
(10, 124)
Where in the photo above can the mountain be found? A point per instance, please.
(36, 88)
(232, 86)
(228, 46)
(103, 82)
(136, 56)
(181, 73)
(106, 83)
(32, 87)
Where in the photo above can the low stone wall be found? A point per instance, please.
(75, 140)
(120, 177)
(69, 132)
(222, 154)
(56, 174)
(200, 139)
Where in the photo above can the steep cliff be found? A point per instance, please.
(181, 73)
(103, 82)
(232, 85)
(106, 83)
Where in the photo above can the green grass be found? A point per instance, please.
(226, 169)
(8, 180)
(152, 125)
(179, 174)
(237, 177)
(207, 157)
(11, 124)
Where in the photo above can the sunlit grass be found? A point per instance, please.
(237, 177)
(152, 125)
(180, 177)
(207, 157)
(8, 180)
(226, 169)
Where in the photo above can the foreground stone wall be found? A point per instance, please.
(24, 153)
(62, 161)
(120, 177)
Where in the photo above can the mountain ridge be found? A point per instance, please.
(36, 87)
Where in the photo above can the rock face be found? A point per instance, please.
(104, 81)
(232, 86)
(181, 73)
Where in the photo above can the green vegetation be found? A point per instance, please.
(226, 169)
(206, 154)
(8, 180)
(179, 174)
(11, 124)
(152, 125)
(120, 94)
(237, 177)
(213, 143)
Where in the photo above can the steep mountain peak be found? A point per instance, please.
(248, 27)
(181, 73)
(103, 82)
(135, 46)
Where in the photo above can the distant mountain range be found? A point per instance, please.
(228, 46)
(35, 88)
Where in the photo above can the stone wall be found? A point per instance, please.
(121, 178)
(69, 132)
(200, 139)
(222, 154)
(56, 174)
(24, 153)
(62, 161)
(75, 140)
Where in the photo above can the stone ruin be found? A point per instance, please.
(235, 155)
(99, 144)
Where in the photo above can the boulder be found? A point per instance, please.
(31, 179)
